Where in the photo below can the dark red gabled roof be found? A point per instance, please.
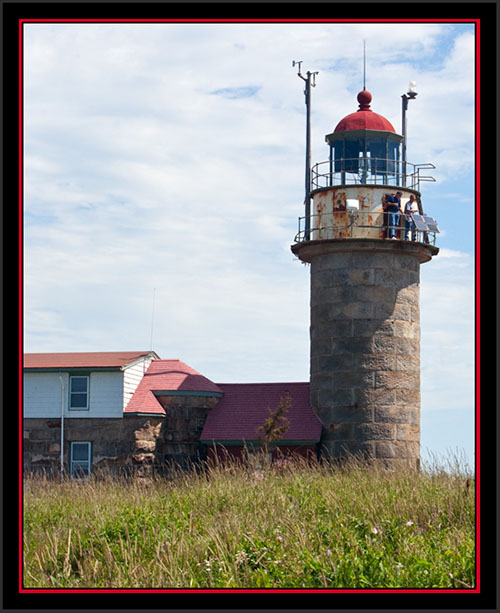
(244, 408)
(364, 118)
(93, 359)
(167, 376)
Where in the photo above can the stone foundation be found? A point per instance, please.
(139, 443)
(115, 442)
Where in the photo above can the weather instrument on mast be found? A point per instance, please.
(310, 81)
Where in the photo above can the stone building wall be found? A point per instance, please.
(184, 421)
(131, 442)
(120, 442)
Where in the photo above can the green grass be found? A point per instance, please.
(231, 527)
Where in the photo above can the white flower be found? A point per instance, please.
(241, 556)
(409, 523)
(374, 530)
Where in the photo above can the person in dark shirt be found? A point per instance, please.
(392, 206)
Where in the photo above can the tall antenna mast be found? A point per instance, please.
(364, 64)
(152, 321)
(310, 81)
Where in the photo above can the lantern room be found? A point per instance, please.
(366, 144)
(367, 168)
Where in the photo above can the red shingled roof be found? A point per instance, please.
(167, 375)
(95, 359)
(244, 408)
(144, 401)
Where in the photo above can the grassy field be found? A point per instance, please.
(298, 526)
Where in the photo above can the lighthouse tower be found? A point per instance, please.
(365, 318)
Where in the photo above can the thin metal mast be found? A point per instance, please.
(410, 95)
(364, 64)
(152, 321)
(310, 81)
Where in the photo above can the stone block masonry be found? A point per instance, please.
(365, 346)
(115, 442)
(132, 443)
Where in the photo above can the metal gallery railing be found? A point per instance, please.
(369, 171)
(352, 223)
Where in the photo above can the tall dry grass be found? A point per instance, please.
(297, 525)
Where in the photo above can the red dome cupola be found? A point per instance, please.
(364, 118)
(364, 142)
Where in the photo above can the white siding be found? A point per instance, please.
(42, 395)
(106, 391)
(131, 379)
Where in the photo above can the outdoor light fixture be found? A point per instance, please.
(412, 90)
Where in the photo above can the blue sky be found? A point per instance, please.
(167, 160)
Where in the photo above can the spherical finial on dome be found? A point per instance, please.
(364, 118)
(364, 99)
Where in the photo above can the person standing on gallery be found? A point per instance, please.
(411, 208)
(392, 206)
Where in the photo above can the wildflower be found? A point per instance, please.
(374, 530)
(409, 523)
(328, 552)
(279, 538)
(241, 557)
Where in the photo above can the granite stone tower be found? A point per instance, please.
(365, 317)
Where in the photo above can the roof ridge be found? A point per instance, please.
(87, 352)
(84, 359)
(268, 383)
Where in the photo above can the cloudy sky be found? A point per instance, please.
(164, 176)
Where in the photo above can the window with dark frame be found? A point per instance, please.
(79, 392)
(81, 458)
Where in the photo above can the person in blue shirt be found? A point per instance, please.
(392, 206)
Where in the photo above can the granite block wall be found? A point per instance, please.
(365, 353)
